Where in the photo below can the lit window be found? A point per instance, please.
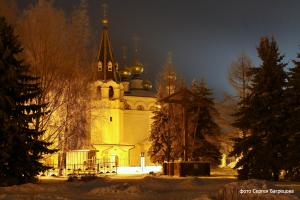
(109, 66)
(99, 66)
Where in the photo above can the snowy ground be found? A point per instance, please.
(128, 187)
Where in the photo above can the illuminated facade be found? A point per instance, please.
(119, 119)
(120, 109)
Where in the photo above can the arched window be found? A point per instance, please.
(140, 107)
(99, 92)
(111, 92)
(127, 107)
(109, 66)
(99, 66)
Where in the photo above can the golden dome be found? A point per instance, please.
(124, 73)
(137, 69)
(147, 85)
(104, 21)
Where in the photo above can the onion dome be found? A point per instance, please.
(124, 74)
(147, 85)
(137, 70)
(104, 21)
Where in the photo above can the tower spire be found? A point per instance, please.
(136, 60)
(107, 66)
(124, 56)
(137, 68)
(104, 18)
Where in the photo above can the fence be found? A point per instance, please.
(91, 166)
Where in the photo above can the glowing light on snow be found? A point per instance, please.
(139, 170)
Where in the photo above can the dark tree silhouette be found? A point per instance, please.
(20, 145)
(261, 117)
(205, 147)
(292, 158)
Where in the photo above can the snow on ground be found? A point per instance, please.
(139, 170)
(127, 187)
(117, 187)
(260, 190)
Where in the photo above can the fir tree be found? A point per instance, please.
(206, 128)
(292, 158)
(165, 136)
(20, 146)
(261, 116)
(160, 139)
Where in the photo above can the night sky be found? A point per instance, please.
(205, 36)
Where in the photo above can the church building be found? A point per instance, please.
(120, 114)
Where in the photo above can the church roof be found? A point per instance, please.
(107, 67)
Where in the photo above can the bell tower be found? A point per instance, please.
(106, 93)
(107, 67)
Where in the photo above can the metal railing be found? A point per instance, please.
(91, 166)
